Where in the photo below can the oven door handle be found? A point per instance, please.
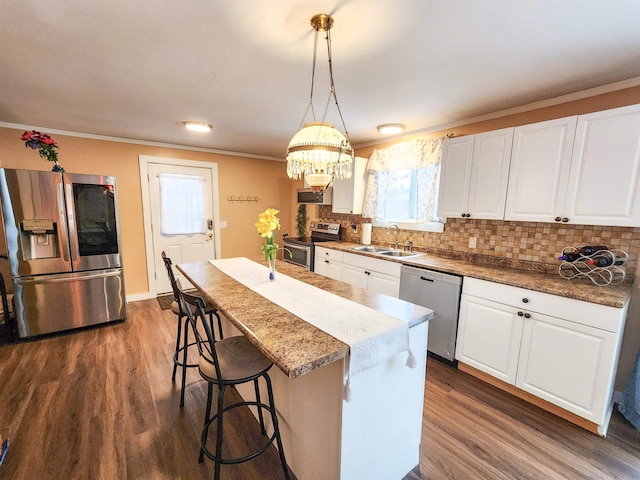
(297, 247)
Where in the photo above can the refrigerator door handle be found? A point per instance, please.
(73, 230)
(63, 226)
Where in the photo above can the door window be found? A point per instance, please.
(181, 204)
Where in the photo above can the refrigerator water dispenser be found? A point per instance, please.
(39, 239)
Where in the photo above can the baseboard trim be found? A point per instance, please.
(538, 402)
(139, 296)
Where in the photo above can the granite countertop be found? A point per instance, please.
(295, 346)
(583, 289)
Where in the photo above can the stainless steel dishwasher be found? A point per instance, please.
(441, 293)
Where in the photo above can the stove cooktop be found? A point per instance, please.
(320, 232)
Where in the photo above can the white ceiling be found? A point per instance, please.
(137, 69)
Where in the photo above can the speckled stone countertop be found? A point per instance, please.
(613, 296)
(295, 346)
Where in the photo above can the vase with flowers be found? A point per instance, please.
(267, 223)
(45, 145)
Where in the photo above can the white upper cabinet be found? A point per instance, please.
(474, 176)
(539, 171)
(348, 194)
(603, 181)
(580, 170)
(455, 176)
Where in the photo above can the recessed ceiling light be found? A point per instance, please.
(391, 128)
(198, 126)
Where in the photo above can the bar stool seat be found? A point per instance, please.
(237, 358)
(227, 363)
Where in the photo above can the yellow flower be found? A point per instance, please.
(264, 228)
(268, 222)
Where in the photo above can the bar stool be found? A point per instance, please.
(227, 363)
(183, 334)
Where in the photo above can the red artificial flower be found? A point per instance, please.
(41, 142)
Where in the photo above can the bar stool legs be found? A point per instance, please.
(183, 333)
(182, 351)
(218, 418)
(227, 363)
(176, 350)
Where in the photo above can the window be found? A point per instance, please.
(181, 204)
(402, 185)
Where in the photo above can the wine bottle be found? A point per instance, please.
(569, 257)
(604, 261)
(589, 250)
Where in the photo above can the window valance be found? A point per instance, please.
(412, 154)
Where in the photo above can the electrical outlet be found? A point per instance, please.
(473, 242)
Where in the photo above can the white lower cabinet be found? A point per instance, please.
(371, 280)
(328, 262)
(567, 364)
(489, 337)
(355, 276)
(561, 350)
(372, 274)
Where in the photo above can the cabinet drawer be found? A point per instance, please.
(329, 254)
(578, 311)
(374, 264)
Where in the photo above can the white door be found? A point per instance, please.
(385, 284)
(567, 364)
(181, 216)
(490, 174)
(539, 171)
(455, 175)
(355, 276)
(489, 336)
(604, 183)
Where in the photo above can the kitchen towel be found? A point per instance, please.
(365, 238)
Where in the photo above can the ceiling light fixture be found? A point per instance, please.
(198, 126)
(391, 128)
(319, 151)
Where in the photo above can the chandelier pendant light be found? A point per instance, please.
(318, 151)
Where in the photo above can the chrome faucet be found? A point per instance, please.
(397, 233)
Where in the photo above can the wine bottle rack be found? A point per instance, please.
(613, 274)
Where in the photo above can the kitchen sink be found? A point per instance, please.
(371, 249)
(399, 253)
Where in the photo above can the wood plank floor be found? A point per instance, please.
(100, 404)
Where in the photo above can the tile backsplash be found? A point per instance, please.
(529, 245)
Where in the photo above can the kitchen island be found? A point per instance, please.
(372, 433)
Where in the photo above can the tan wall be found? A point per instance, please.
(620, 98)
(236, 176)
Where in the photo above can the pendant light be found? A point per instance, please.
(319, 151)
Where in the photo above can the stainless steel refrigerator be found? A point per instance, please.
(62, 238)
